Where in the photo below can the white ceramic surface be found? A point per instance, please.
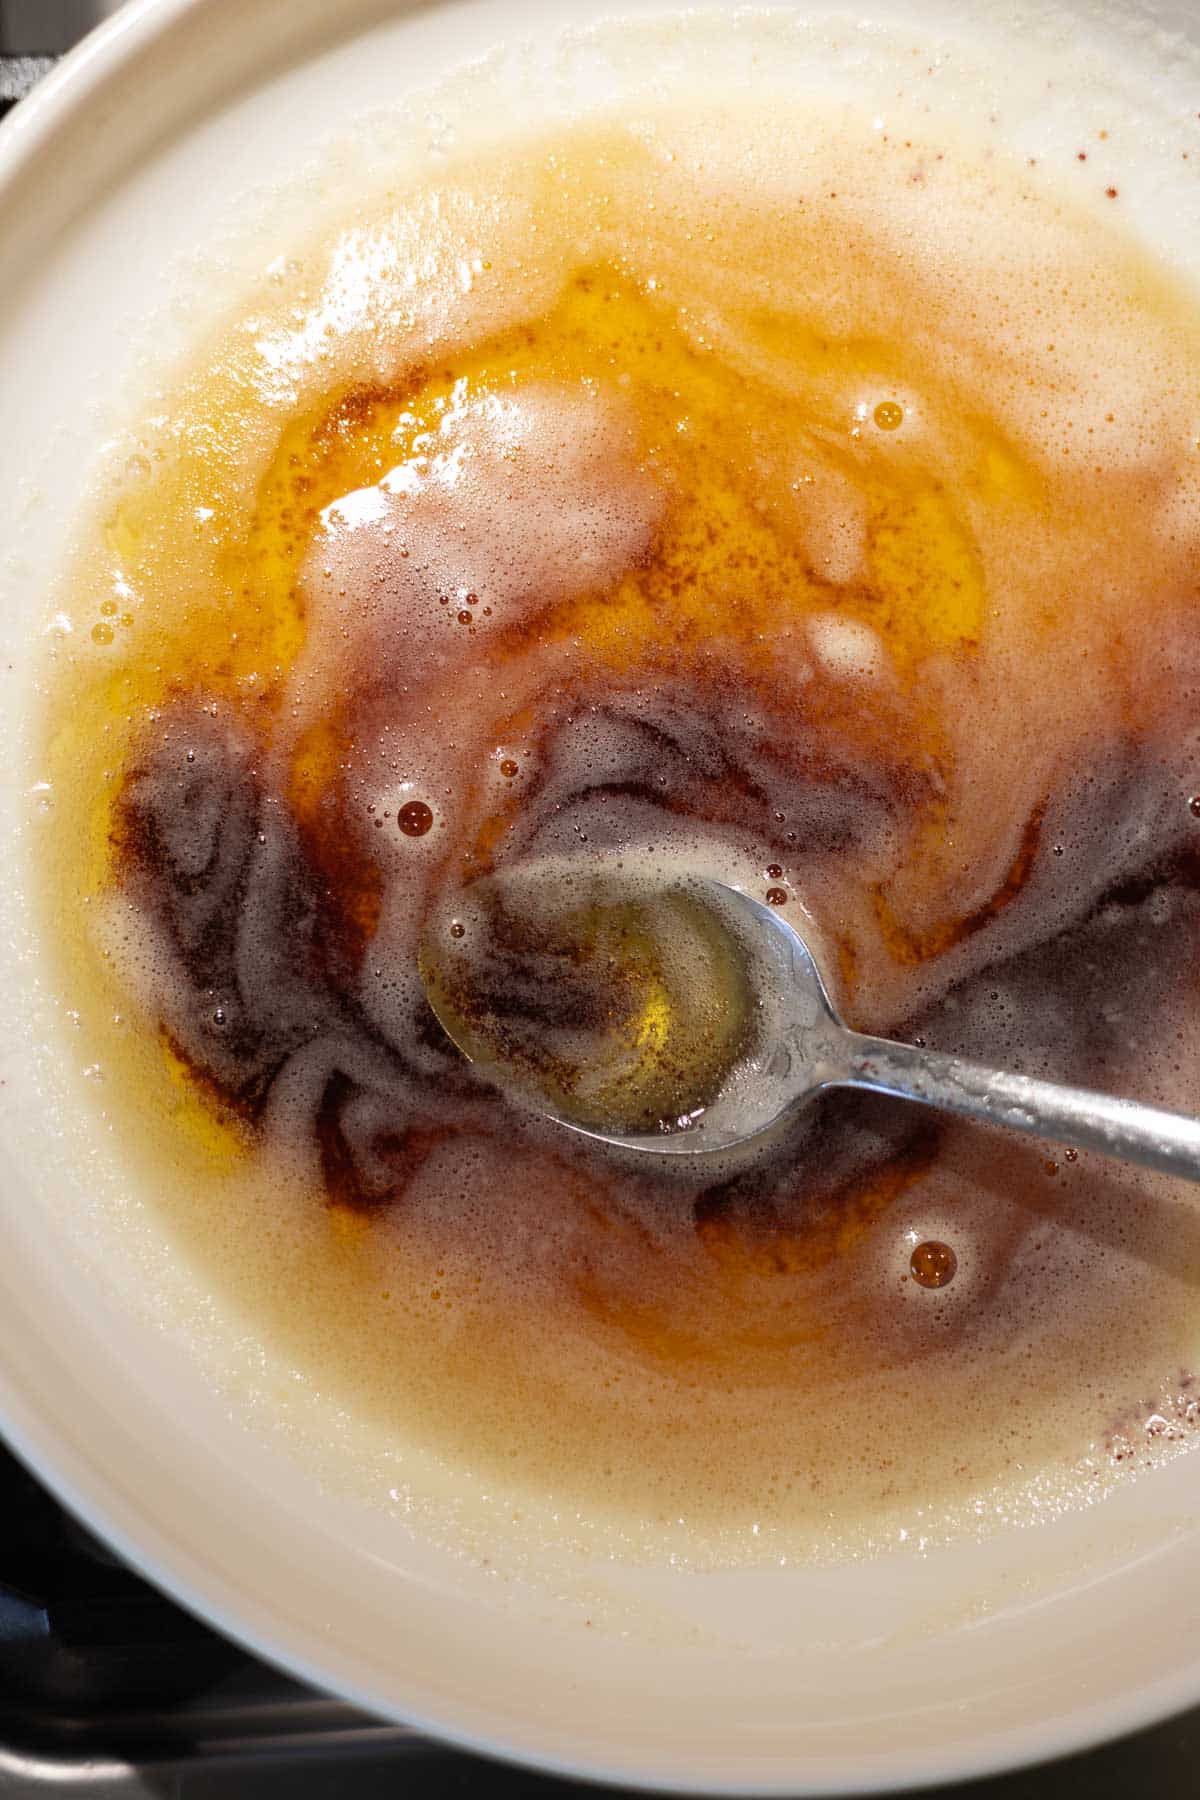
(136, 198)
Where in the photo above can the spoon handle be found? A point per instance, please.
(1068, 1115)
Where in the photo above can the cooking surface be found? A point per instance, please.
(108, 1689)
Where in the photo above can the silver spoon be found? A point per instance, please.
(803, 1049)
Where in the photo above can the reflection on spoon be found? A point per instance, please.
(694, 1018)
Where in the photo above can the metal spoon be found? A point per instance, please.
(803, 1048)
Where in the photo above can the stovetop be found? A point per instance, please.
(109, 1690)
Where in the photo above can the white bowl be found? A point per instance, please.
(118, 180)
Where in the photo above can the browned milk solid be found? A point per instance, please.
(782, 497)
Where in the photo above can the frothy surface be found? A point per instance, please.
(777, 499)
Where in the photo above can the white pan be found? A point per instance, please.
(136, 200)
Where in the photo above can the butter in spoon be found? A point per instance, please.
(746, 1032)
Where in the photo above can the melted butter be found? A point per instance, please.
(640, 1003)
(908, 600)
(726, 564)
